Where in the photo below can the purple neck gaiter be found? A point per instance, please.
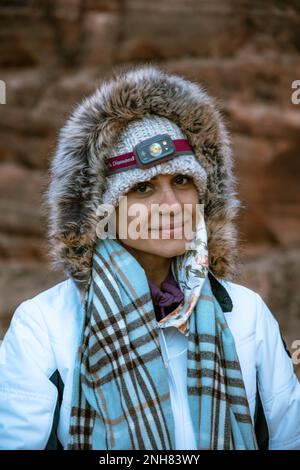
(167, 297)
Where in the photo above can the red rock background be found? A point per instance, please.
(246, 53)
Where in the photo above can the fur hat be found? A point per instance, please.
(78, 170)
(137, 132)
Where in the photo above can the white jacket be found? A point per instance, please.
(43, 338)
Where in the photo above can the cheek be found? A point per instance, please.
(131, 215)
(191, 196)
(189, 200)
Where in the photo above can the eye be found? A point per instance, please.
(182, 180)
(141, 188)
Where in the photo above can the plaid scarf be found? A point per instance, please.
(121, 394)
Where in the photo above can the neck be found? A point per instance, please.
(156, 267)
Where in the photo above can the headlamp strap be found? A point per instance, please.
(129, 160)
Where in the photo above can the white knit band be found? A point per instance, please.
(119, 183)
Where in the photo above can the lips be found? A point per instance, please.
(169, 227)
(172, 226)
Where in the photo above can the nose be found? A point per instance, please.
(170, 199)
(169, 196)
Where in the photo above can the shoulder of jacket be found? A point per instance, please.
(239, 292)
(51, 297)
(48, 304)
(50, 293)
(246, 307)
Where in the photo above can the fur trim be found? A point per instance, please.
(77, 172)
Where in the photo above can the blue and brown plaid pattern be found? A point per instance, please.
(121, 394)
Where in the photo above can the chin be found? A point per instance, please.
(167, 248)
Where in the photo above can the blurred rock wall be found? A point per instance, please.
(246, 53)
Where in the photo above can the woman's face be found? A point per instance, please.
(159, 216)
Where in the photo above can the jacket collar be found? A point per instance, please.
(220, 293)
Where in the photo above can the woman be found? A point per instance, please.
(148, 343)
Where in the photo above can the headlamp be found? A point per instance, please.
(148, 153)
